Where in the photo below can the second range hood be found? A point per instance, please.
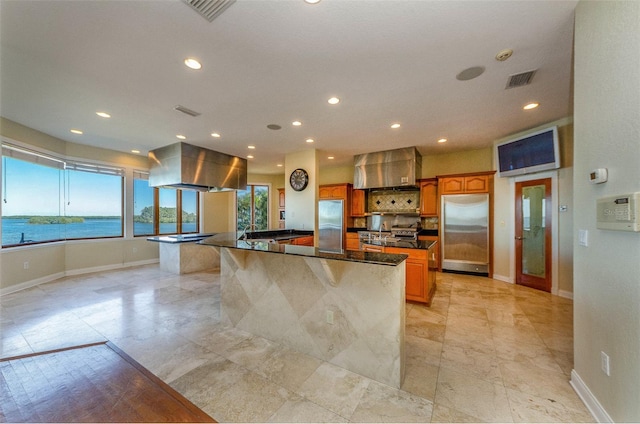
(388, 169)
(185, 166)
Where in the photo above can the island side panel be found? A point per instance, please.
(291, 299)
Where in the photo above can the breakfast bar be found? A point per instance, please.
(344, 307)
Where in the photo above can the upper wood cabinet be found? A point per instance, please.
(358, 202)
(333, 191)
(466, 183)
(281, 198)
(429, 197)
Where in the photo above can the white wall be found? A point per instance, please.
(607, 272)
(301, 207)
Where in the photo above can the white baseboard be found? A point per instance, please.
(46, 279)
(589, 399)
(32, 283)
(565, 294)
(110, 267)
(503, 278)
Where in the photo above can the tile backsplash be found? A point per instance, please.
(394, 201)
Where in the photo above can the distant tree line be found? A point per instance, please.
(167, 215)
(56, 220)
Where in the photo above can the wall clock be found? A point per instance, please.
(299, 179)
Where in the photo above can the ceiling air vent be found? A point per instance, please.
(188, 111)
(209, 9)
(518, 80)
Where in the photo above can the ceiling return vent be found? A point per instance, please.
(209, 9)
(186, 110)
(518, 80)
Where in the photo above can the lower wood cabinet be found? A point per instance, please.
(353, 241)
(303, 241)
(419, 275)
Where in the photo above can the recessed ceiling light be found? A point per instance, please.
(79, 132)
(530, 106)
(394, 126)
(309, 140)
(251, 147)
(442, 140)
(333, 101)
(216, 135)
(279, 165)
(135, 151)
(103, 114)
(192, 63)
(249, 156)
(181, 137)
(330, 157)
(274, 126)
(296, 123)
(312, 1)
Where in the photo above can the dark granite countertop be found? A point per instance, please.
(405, 244)
(180, 238)
(275, 234)
(230, 240)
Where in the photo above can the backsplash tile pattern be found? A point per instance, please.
(394, 201)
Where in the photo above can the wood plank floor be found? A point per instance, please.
(91, 383)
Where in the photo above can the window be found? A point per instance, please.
(253, 207)
(143, 205)
(49, 199)
(159, 206)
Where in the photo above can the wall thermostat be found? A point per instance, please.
(619, 212)
(598, 176)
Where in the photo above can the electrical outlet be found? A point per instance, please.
(605, 364)
(329, 317)
(25, 265)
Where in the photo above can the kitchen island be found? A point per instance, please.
(179, 254)
(421, 264)
(344, 307)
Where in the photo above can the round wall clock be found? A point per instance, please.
(299, 179)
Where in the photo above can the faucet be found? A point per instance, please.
(244, 232)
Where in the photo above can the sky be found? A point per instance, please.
(30, 189)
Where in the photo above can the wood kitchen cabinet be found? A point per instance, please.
(303, 241)
(436, 251)
(281, 220)
(353, 241)
(466, 183)
(429, 197)
(358, 202)
(419, 271)
(333, 191)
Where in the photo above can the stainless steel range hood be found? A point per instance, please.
(185, 166)
(388, 169)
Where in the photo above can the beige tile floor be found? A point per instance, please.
(485, 351)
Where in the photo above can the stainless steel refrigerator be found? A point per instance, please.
(465, 233)
(330, 218)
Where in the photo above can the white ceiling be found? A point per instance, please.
(273, 62)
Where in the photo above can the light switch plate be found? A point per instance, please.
(583, 237)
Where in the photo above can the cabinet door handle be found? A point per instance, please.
(519, 238)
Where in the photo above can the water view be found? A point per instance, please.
(19, 230)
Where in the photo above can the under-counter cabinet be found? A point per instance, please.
(353, 241)
(420, 270)
(429, 197)
(303, 241)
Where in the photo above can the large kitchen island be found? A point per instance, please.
(344, 307)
